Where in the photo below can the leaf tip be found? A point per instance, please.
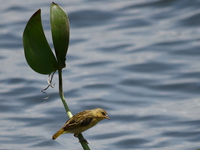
(53, 3)
(37, 12)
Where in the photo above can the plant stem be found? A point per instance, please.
(80, 137)
(62, 94)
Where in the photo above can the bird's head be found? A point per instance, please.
(100, 113)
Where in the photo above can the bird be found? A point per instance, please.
(81, 122)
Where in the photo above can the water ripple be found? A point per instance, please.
(134, 143)
(88, 18)
(139, 60)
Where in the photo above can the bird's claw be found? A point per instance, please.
(83, 140)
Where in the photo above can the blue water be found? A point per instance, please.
(139, 60)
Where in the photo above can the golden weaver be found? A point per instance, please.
(82, 121)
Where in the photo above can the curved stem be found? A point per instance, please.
(61, 93)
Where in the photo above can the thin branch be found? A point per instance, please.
(80, 136)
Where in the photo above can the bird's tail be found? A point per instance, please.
(58, 133)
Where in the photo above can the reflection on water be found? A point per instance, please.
(139, 60)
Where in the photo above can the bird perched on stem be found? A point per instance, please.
(82, 121)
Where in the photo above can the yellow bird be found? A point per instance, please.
(82, 121)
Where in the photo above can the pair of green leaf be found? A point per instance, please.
(36, 48)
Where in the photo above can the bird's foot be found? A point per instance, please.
(81, 139)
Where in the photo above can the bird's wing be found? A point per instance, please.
(86, 121)
(79, 120)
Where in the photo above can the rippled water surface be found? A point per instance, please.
(137, 59)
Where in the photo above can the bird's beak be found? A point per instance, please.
(106, 117)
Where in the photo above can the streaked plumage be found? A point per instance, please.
(82, 121)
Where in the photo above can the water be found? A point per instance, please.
(139, 60)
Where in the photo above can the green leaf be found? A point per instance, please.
(60, 32)
(36, 48)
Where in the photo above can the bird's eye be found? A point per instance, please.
(103, 113)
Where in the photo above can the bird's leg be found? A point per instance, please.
(81, 139)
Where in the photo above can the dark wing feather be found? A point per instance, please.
(86, 121)
(80, 119)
